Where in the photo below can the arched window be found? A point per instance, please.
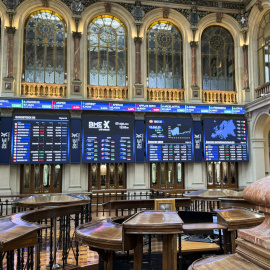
(45, 48)
(217, 59)
(264, 49)
(165, 56)
(107, 52)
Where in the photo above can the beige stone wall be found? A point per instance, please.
(29, 6)
(139, 173)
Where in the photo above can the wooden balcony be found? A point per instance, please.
(49, 90)
(107, 92)
(262, 90)
(164, 94)
(218, 96)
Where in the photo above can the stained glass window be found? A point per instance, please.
(45, 48)
(107, 52)
(217, 59)
(165, 56)
(264, 49)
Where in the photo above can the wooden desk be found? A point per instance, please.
(167, 224)
(149, 203)
(235, 202)
(15, 233)
(53, 206)
(237, 218)
(224, 262)
(188, 227)
(191, 247)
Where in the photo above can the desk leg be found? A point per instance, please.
(233, 241)
(108, 265)
(169, 255)
(138, 253)
(226, 240)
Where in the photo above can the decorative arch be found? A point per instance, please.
(263, 48)
(183, 26)
(164, 56)
(45, 39)
(254, 21)
(227, 22)
(107, 51)
(217, 49)
(175, 17)
(126, 18)
(259, 125)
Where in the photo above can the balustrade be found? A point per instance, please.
(107, 92)
(165, 94)
(262, 90)
(43, 90)
(218, 96)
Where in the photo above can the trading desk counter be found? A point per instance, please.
(16, 232)
(110, 235)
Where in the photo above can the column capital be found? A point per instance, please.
(75, 114)
(248, 116)
(139, 115)
(245, 48)
(193, 44)
(196, 116)
(77, 35)
(10, 30)
(6, 112)
(138, 40)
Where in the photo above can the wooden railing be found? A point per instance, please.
(163, 94)
(262, 90)
(218, 96)
(107, 92)
(43, 90)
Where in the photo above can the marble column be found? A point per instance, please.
(138, 87)
(194, 84)
(76, 83)
(257, 158)
(194, 45)
(138, 43)
(246, 79)
(10, 47)
(76, 37)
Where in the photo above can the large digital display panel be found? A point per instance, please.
(169, 140)
(225, 140)
(40, 139)
(108, 139)
(118, 107)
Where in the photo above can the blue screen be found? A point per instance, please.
(40, 139)
(108, 139)
(169, 140)
(120, 107)
(225, 140)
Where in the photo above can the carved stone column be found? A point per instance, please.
(8, 81)
(11, 32)
(194, 45)
(76, 83)
(138, 43)
(246, 78)
(76, 37)
(194, 83)
(138, 86)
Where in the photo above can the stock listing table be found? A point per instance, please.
(169, 139)
(108, 139)
(226, 140)
(36, 139)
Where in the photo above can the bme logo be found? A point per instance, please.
(103, 125)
